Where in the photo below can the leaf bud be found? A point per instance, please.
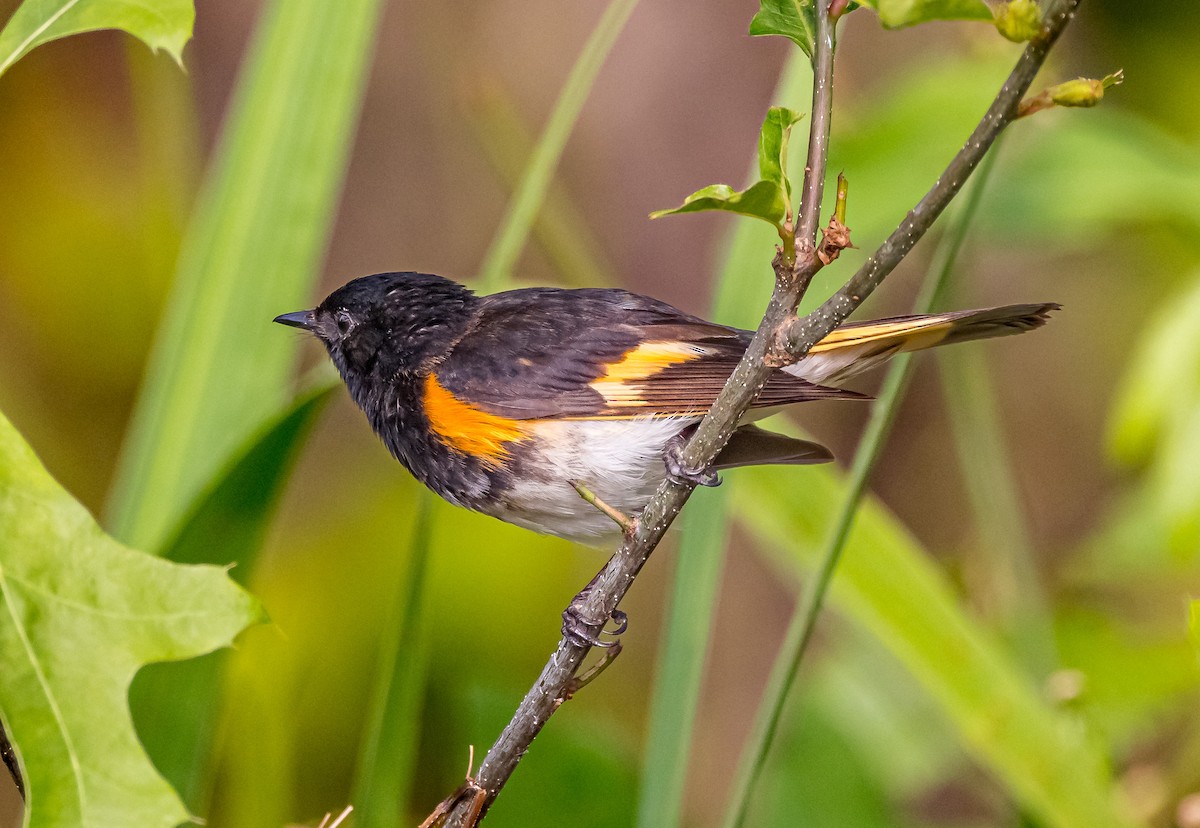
(1018, 20)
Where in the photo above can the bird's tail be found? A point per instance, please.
(862, 345)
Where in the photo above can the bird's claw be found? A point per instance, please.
(577, 626)
(680, 472)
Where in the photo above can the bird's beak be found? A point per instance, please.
(297, 319)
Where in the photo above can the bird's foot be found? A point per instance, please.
(583, 629)
(680, 472)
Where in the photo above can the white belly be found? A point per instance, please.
(620, 460)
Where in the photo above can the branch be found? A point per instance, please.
(781, 338)
(802, 333)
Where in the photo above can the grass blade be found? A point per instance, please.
(1004, 542)
(883, 412)
(560, 229)
(887, 585)
(691, 607)
(513, 233)
(388, 755)
(219, 369)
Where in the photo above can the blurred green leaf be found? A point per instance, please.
(889, 586)
(897, 13)
(768, 199)
(1161, 384)
(219, 369)
(176, 705)
(1194, 624)
(81, 614)
(160, 24)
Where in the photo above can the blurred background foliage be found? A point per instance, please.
(1096, 419)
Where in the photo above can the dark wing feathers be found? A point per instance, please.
(546, 353)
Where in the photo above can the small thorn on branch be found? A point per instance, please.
(836, 236)
(628, 524)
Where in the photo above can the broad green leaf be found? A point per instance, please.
(219, 369)
(80, 614)
(161, 24)
(175, 705)
(886, 584)
(897, 13)
(794, 19)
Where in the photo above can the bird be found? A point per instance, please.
(508, 403)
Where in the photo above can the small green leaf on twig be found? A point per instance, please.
(1085, 92)
(768, 199)
(1018, 20)
(794, 19)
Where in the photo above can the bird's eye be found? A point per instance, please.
(343, 321)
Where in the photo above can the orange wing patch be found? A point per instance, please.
(464, 427)
(620, 384)
(915, 334)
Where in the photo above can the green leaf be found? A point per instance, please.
(794, 19)
(80, 614)
(763, 200)
(897, 13)
(160, 24)
(773, 147)
(768, 199)
(886, 584)
(220, 370)
(175, 705)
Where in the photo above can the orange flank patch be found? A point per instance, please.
(464, 427)
(620, 384)
(915, 334)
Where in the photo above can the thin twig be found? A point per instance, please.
(627, 524)
(781, 338)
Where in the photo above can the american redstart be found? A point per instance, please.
(499, 403)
